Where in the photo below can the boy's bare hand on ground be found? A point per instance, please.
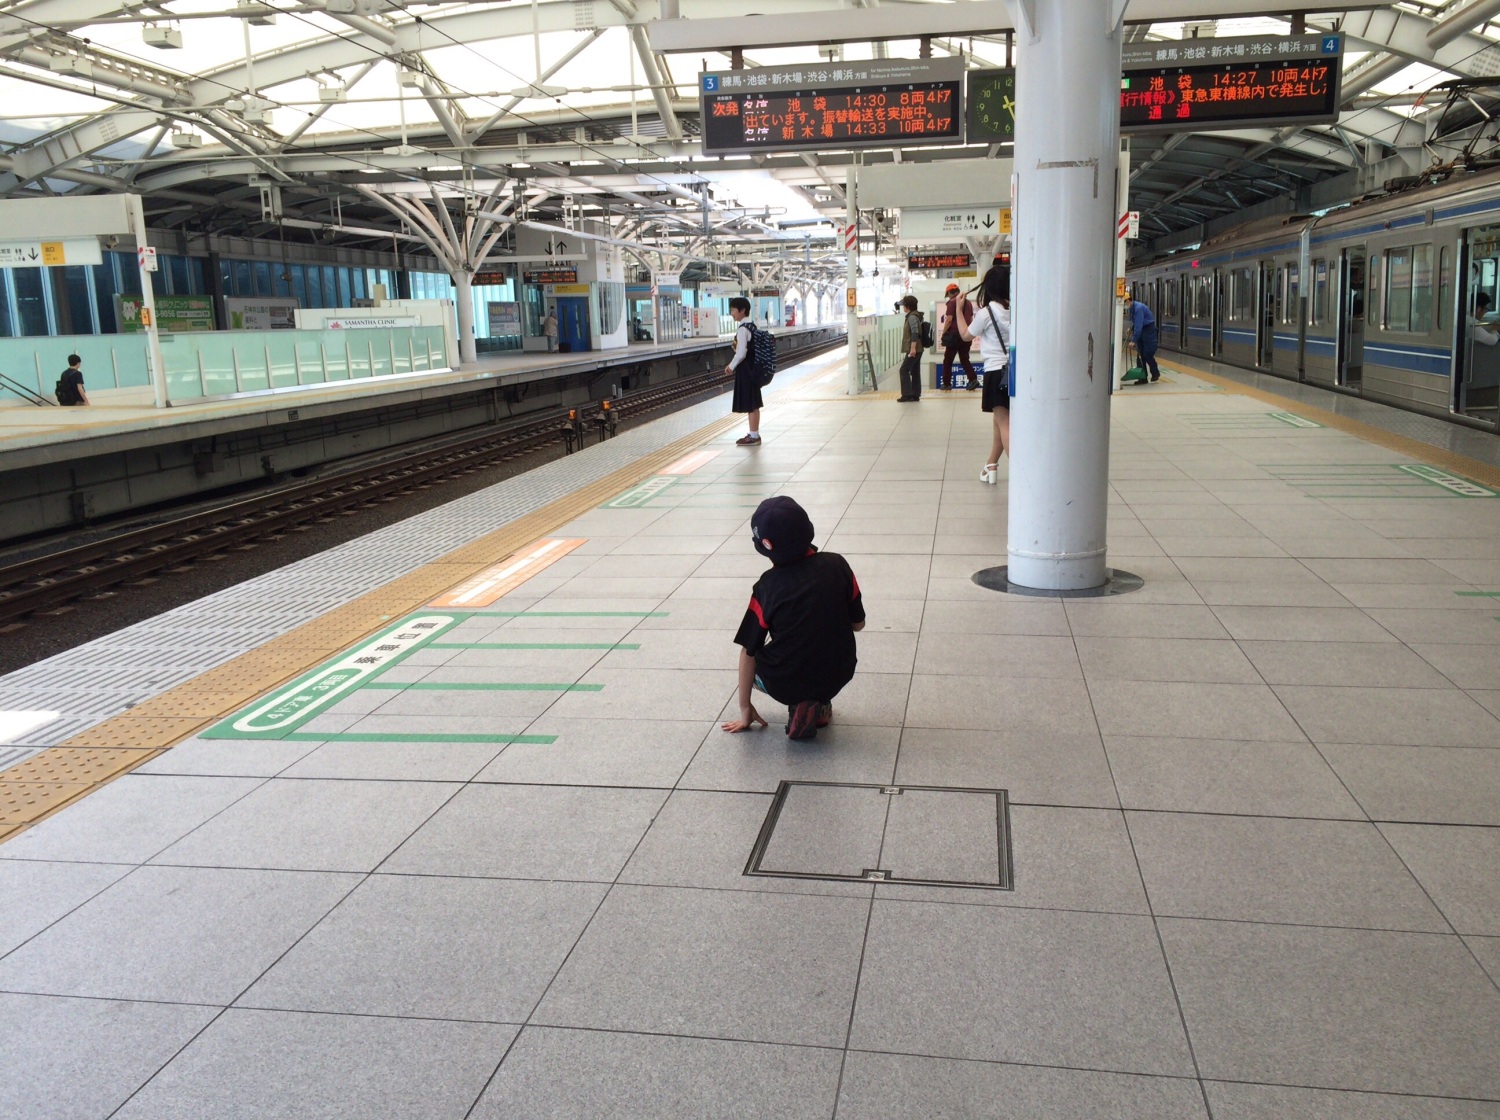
(747, 721)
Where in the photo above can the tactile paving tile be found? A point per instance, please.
(188, 701)
(136, 731)
(23, 802)
(75, 765)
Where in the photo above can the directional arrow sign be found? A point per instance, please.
(925, 225)
(60, 251)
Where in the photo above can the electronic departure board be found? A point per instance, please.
(882, 103)
(1202, 84)
(925, 262)
(550, 276)
(992, 106)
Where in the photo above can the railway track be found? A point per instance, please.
(52, 583)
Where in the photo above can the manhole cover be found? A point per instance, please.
(932, 836)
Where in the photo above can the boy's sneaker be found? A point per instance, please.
(825, 714)
(747, 441)
(802, 722)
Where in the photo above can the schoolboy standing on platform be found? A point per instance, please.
(797, 638)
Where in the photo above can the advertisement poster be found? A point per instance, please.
(173, 313)
(505, 319)
(268, 313)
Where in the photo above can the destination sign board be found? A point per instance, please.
(992, 106)
(550, 276)
(1203, 84)
(489, 278)
(925, 262)
(880, 103)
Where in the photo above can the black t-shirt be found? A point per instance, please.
(72, 381)
(799, 627)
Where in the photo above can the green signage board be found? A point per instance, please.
(992, 106)
(173, 313)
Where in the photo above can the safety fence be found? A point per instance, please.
(221, 363)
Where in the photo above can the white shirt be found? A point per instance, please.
(1482, 332)
(994, 350)
(741, 344)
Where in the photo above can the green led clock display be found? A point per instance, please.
(992, 106)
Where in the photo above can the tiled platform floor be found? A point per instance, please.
(1256, 824)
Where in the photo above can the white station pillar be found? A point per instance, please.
(1067, 130)
(851, 277)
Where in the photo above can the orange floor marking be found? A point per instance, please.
(500, 579)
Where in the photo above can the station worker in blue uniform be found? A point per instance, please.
(1143, 331)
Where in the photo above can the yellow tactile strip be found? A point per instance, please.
(37, 787)
(1402, 445)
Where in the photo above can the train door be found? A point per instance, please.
(573, 323)
(1184, 292)
(1216, 319)
(1265, 329)
(1351, 364)
(1478, 385)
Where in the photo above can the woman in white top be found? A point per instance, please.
(991, 326)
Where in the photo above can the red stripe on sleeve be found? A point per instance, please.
(760, 615)
(855, 580)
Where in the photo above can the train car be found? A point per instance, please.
(1377, 298)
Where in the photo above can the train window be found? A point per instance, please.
(1372, 287)
(1398, 272)
(1319, 292)
(1421, 289)
(1290, 311)
(1241, 296)
(1445, 285)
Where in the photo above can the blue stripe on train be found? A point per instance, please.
(1430, 360)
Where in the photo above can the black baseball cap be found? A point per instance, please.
(781, 530)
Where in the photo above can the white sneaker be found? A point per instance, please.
(989, 473)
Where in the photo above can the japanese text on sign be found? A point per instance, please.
(1231, 82)
(880, 103)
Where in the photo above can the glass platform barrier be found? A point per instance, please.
(211, 364)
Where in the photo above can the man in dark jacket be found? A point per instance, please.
(911, 349)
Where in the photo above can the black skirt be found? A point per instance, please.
(746, 389)
(994, 394)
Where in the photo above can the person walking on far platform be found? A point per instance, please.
(549, 330)
(70, 390)
(1143, 331)
(742, 369)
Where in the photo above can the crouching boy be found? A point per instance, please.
(797, 639)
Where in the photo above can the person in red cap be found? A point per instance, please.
(954, 342)
(797, 638)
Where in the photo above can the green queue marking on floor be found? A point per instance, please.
(639, 495)
(413, 737)
(1479, 594)
(535, 645)
(1376, 480)
(1245, 421)
(282, 714)
(1294, 420)
(482, 686)
(573, 614)
(1463, 487)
